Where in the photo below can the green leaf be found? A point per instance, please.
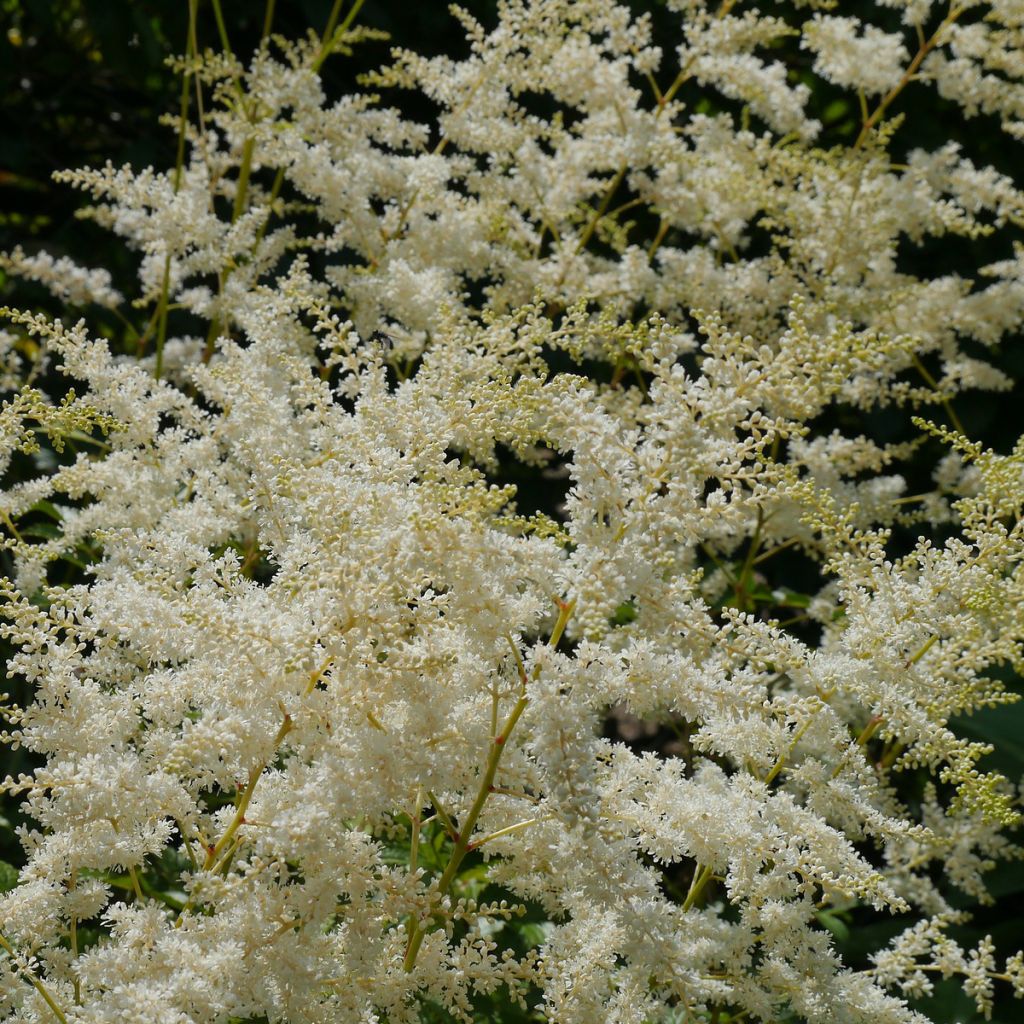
(48, 508)
(1003, 727)
(834, 924)
(624, 614)
(8, 876)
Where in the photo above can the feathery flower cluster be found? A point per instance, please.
(321, 715)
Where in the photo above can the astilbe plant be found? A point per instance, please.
(320, 718)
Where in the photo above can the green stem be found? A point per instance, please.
(922, 650)
(684, 72)
(330, 33)
(869, 730)
(34, 982)
(613, 187)
(508, 830)
(663, 229)
(783, 757)
(126, 885)
(238, 820)
(889, 755)
(462, 842)
(444, 817)
(925, 48)
(268, 20)
(414, 840)
(73, 938)
(244, 171)
(742, 585)
(701, 877)
(275, 190)
(9, 523)
(463, 838)
(136, 888)
(179, 164)
(222, 28)
(332, 20)
(565, 610)
(775, 550)
(934, 385)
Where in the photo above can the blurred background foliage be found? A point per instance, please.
(84, 81)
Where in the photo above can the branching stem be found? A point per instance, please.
(463, 842)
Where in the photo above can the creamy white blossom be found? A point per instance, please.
(853, 55)
(322, 711)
